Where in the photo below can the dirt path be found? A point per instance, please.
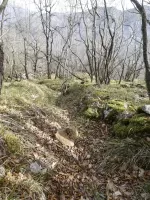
(76, 174)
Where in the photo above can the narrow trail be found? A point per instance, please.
(76, 174)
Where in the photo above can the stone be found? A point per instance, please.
(66, 136)
(146, 109)
(2, 172)
(106, 113)
(35, 168)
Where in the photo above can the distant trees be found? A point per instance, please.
(87, 39)
(2, 9)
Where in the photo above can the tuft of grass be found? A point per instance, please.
(13, 143)
(127, 152)
(21, 185)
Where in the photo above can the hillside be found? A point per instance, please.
(131, 18)
(99, 158)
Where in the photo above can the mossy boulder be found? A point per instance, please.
(91, 106)
(114, 108)
(137, 126)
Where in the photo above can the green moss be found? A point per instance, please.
(13, 143)
(92, 113)
(116, 105)
(121, 105)
(137, 126)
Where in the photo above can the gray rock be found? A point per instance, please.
(35, 168)
(106, 113)
(125, 115)
(2, 172)
(146, 109)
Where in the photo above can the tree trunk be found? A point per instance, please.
(2, 8)
(25, 60)
(145, 43)
(1, 66)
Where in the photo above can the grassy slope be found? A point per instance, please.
(25, 107)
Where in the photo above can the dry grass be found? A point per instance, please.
(126, 152)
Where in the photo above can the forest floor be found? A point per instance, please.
(35, 165)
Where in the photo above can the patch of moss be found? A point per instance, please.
(121, 105)
(13, 143)
(137, 126)
(116, 105)
(92, 113)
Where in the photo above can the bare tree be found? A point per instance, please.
(102, 41)
(23, 62)
(45, 10)
(35, 53)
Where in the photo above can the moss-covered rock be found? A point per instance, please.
(115, 108)
(137, 126)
